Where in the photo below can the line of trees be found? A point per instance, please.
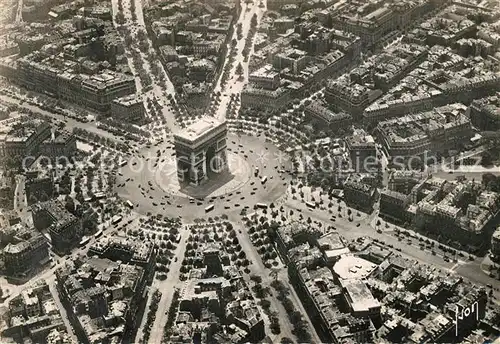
(172, 314)
(153, 307)
(300, 327)
(249, 39)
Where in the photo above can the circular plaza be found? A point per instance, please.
(256, 174)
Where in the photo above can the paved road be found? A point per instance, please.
(351, 231)
(128, 22)
(140, 330)
(62, 310)
(257, 267)
(167, 288)
(156, 91)
(19, 11)
(235, 83)
(19, 197)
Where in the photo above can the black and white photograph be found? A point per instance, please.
(249, 171)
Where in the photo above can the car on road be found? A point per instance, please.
(227, 207)
(179, 205)
(155, 204)
(252, 193)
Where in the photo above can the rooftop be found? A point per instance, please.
(423, 125)
(490, 105)
(202, 127)
(496, 234)
(331, 241)
(442, 71)
(360, 138)
(22, 130)
(360, 297)
(265, 71)
(129, 100)
(140, 250)
(57, 211)
(204, 288)
(351, 267)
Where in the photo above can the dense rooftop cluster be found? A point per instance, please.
(364, 291)
(105, 292)
(290, 64)
(464, 212)
(365, 95)
(367, 82)
(432, 131)
(215, 302)
(442, 78)
(34, 315)
(73, 53)
(24, 249)
(192, 39)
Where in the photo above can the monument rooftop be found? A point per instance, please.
(200, 128)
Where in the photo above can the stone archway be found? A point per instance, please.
(210, 161)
